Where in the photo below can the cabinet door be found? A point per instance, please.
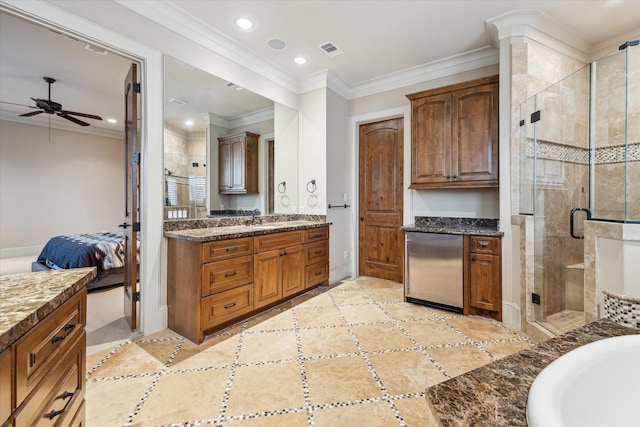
(485, 290)
(292, 270)
(474, 135)
(6, 384)
(224, 166)
(266, 278)
(238, 163)
(431, 139)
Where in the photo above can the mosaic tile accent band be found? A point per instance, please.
(622, 309)
(571, 154)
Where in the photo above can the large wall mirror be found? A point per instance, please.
(204, 117)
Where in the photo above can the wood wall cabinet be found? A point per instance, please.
(483, 276)
(43, 372)
(454, 136)
(238, 163)
(212, 284)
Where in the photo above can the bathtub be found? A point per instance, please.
(597, 384)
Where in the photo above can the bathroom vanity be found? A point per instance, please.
(219, 275)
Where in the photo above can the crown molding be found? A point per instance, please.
(212, 119)
(175, 19)
(251, 118)
(540, 27)
(468, 61)
(56, 124)
(609, 46)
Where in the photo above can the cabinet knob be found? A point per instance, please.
(473, 258)
(362, 218)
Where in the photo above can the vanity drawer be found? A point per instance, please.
(6, 384)
(227, 305)
(268, 242)
(42, 346)
(228, 274)
(316, 273)
(315, 234)
(315, 252)
(57, 398)
(484, 245)
(224, 249)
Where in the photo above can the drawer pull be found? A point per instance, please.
(317, 252)
(235, 248)
(484, 244)
(65, 395)
(318, 273)
(231, 274)
(233, 304)
(68, 328)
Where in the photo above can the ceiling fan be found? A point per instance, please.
(50, 107)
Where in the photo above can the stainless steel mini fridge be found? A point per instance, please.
(434, 270)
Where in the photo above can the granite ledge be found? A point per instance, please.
(27, 298)
(235, 231)
(496, 394)
(453, 230)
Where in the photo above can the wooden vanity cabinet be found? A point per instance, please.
(279, 266)
(238, 163)
(483, 276)
(454, 136)
(316, 257)
(43, 373)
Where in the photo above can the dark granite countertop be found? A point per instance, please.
(444, 225)
(235, 231)
(27, 298)
(496, 394)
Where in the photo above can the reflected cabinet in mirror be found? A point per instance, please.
(222, 156)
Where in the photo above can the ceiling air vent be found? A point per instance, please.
(177, 101)
(330, 49)
(234, 86)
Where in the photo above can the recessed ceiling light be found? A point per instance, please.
(300, 60)
(244, 23)
(276, 44)
(112, 120)
(189, 123)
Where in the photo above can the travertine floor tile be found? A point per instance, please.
(280, 420)
(363, 314)
(275, 319)
(110, 402)
(214, 351)
(478, 328)
(340, 379)
(458, 360)
(406, 371)
(503, 349)
(137, 358)
(380, 337)
(258, 389)
(365, 415)
(318, 316)
(188, 396)
(268, 346)
(413, 410)
(386, 294)
(432, 332)
(408, 311)
(321, 300)
(350, 297)
(327, 341)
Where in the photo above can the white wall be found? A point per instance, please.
(286, 159)
(341, 182)
(56, 182)
(312, 152)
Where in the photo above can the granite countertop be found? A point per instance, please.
(445, 225)
(27, 298)
(234, 231)
(496, 394)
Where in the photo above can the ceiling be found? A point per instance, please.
(378, 39)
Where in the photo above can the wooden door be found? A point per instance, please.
(131, 222)
(381, 247)
(292, 270)
(474, 135)
(431, 139)
(485, 282)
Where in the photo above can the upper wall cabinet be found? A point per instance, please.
(454, 136)
(238, 163)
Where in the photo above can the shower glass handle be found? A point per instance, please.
(573, 211)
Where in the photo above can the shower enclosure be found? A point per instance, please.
(580, 159)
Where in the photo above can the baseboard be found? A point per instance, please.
(20, 252)
(511, 314)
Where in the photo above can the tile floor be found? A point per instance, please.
(564, 321)
(352, 354)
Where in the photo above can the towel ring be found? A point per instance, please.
(282, 187)
(312, 183)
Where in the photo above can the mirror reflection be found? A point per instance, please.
(219, 146)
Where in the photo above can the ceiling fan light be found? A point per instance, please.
(112, 120)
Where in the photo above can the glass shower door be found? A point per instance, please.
(560, 123)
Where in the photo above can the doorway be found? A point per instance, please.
(381, 244)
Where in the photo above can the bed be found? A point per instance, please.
(104, 250)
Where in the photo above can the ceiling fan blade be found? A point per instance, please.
(73, 119)
(20, 105)
(33, 113)
(73, 113)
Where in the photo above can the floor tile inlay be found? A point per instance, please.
(348, 354)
